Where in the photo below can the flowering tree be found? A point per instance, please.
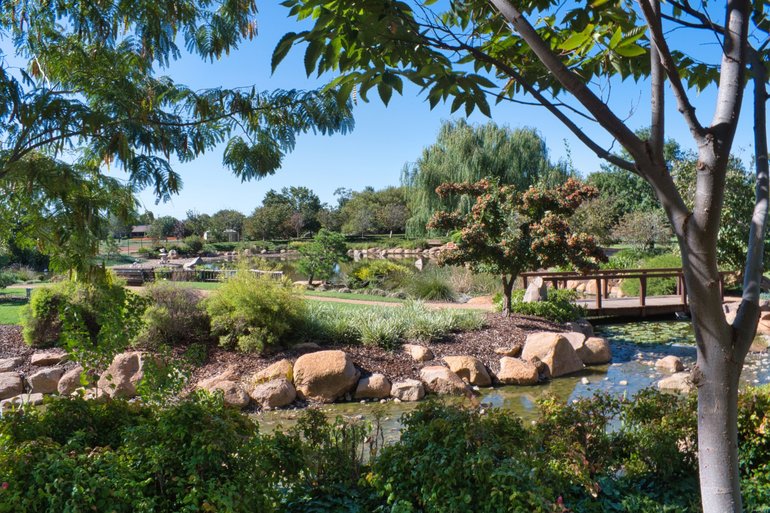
(507, 232)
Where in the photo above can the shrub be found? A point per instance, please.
(559, 307)
(384, 326)
(147, 252)
(252, 312)
(431, 285)
(6, 279)
(377, 273)
(655, 286)
(194, 243)
(92, 321)
(174, 316)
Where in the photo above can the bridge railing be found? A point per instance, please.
(140, 276)
(603, 277)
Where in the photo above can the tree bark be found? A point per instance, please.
(507, 293)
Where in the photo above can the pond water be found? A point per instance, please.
(635, 348)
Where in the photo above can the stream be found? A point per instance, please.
(635, 348)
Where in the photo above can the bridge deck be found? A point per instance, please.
(630, 307)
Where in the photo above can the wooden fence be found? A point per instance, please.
(141, 276)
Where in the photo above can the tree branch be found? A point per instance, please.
(657, 95)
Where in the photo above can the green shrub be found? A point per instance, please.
(194, 243)
(6, 279)
(147, 252)
(175, 316)
(431, 285)
(655, 286)
(92, 321)
(384, 326)
(377, 273)
(252, 312)
(559, 307)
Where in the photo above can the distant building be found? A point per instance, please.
(139, 231)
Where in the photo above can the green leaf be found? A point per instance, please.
(282, 49)
(578, 39)
(630, 51)
(616, 38)
(312, 53)
(385, 92)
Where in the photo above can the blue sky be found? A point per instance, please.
(384, 138)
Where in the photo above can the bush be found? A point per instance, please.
(194, 244)
(431, 285)
(559, 307)
(92, 321)
(252, 312)
(655, 286)
(384, 326)
(174, 316)
(377, 273)
(6, 279)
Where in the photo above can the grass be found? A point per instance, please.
(350, 295)
(13, 292)
(10, 314)
(198, 285)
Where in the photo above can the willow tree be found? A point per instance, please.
(467, 153)
(561, 56)
(81, 89)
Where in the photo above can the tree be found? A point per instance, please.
(223, 220)
(81, 89)
(370, 211)
(643, 229)
(595, 217)
(268, 222)
(320, 256)
(163, 227)
(196, 223)
(507, 232)
(300, 200)
(467, 153)
(475, 47)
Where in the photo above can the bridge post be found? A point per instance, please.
(598, 293)
(643, 290)
(524, 282)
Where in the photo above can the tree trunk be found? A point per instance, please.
(507, 292)
(310, 280)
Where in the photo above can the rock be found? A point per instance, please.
(679, 382)
(517, 372)
(70, 381)
(554, 351)
(45, 381)
(418, 353)
(470, 370)
(47, 358)
(276, 393)
(407, 390)
(670, 363)
(9, 364)
(280, 369)
(229, 374)
(510, 351)
(582, 326)
(537, 290)
(376, 386)
(442, 381)
(324, 375)
(233, 393)
(20, 400)
(576, 339)
(122, 376)
(595, 351)
(10, 385)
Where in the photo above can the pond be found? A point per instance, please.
(635, 348)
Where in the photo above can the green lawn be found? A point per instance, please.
(10, 314)
(199, 285)
(13, 292)
(351, 295)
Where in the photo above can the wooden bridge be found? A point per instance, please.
(602, 305)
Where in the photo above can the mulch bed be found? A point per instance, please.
(497, 332)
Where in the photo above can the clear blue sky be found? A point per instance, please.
(384, 138)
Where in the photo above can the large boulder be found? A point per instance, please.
(408, 390)
(376, 386)
(576, 339)
(123, 375)
(679, 382)
(418, 353)
(280, 369)
(324, 376)
(512, 351)
(45, 381)
(582, 326)
(232, 393)
(595, 351)
(470, 370)
(537, 290)
(276, 393)
(670, 363)
(70, 381)
(47, 358)
(10, 385)
(9, 364)
(442, 381)
(517, 372)
(554, 351)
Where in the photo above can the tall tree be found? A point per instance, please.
(467, 153)
(224, 220)
(89, 85)
(304, 205)
(555, 54)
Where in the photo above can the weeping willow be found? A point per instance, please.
(467, 153)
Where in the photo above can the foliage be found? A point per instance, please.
(164, 227)
(596, 217)
(383, 326)
(559, 307)
(643, 229)
(320, 256)
(6, 279)
(377, 273)
(253, 312)
(92, 321)
(507, 232)
(370, 211)
(430, 285)
(655, 286)
(194, 243)
(223, 220)
(467, 153)
(174, 316)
